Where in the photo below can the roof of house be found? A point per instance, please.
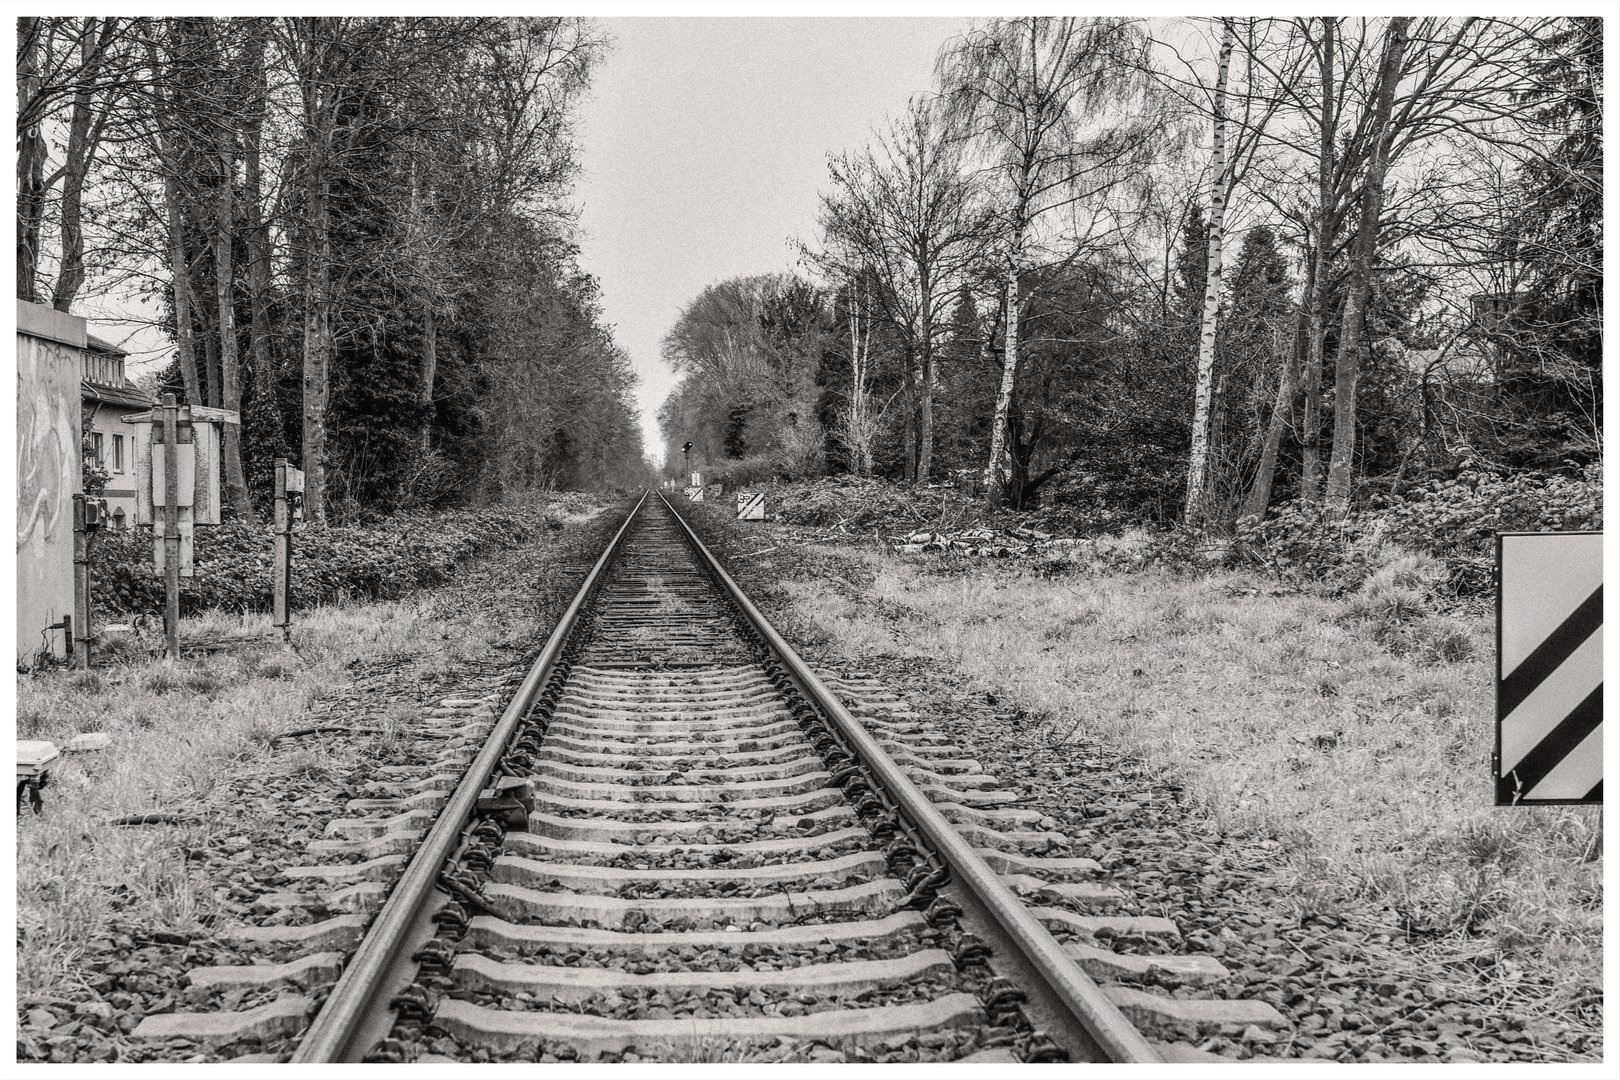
(101, 345)
(102, 394)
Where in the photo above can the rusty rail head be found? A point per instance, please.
(1095, 1019)
(332, 1036)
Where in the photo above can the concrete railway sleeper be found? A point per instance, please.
(678, 842)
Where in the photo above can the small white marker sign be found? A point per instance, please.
(1549, 652)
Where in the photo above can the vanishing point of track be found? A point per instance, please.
(678, 842)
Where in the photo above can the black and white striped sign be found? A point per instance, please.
(751, 506)
(695, 494)
(1549, 674)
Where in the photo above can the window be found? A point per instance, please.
(118, 453)
(118, 516)
(95, 447)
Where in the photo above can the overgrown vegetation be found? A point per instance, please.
(385, 560)
(1449, 524)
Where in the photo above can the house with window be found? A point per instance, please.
(107, 396)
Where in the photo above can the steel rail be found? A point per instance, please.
(334, 1035)
(1087, 1008)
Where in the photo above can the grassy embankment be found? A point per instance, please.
(1354, 733)
(177, 728)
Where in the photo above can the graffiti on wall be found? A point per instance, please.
(47, 476)
(47, 443)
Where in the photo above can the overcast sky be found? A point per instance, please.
(704, 145)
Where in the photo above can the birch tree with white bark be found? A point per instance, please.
(1059, 115)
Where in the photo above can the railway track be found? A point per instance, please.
(680, 842)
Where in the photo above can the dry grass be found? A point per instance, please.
(176, 729)
(1355, 734)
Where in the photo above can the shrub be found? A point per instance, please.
(743, 472)
(1300, 540)
(1452, 520)
(233, 561)
(1456, 519)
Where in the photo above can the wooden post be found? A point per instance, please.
(281, 567)
(171, 525)
(79, 634)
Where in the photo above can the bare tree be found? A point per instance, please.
(904, 219)
(1348, 367)
(1062, 115)
(73, 74)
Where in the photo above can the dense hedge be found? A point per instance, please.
(232, 561)
(1454, 520)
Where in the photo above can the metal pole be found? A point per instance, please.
(79, 638)
(171, 525)
(281, 570)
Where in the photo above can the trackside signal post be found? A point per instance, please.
(289, 491)
(88, 517)
(176, 488)
(1549, 668)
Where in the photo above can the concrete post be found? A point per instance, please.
(171, 525)
(79, 635)
(281, 565)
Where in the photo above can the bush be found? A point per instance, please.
(233, 561)
(740, 473)
(882, 506)
(1457, 519)
(1453, 520)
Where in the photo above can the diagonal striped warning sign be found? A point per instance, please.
(751, 506)
(1549, 674)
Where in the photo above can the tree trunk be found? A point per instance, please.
(317, 346)
(997, 470)
(1347, 371)
(925, 343)
(229, 364)
(1327, 225)
(1194, 509)
(430, 367)
(31, 154)
(909, 428)
(84, 133)
(180, 274)
(925, 422)
(208, 316)
(256, 235)
(1287, 386)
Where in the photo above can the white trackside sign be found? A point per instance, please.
(751, 506)
(1549, 668)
